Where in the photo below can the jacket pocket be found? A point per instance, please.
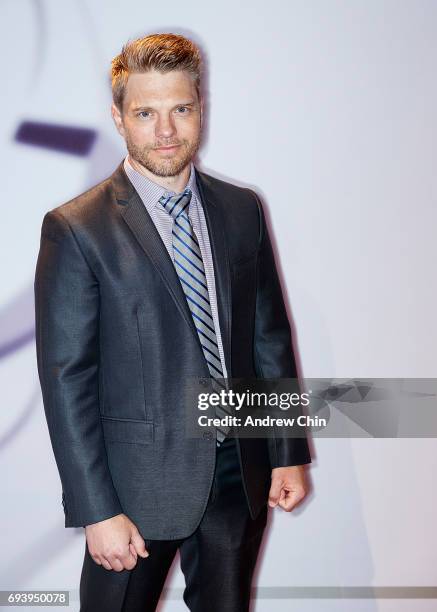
(129, 431)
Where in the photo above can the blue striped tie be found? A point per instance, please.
(188, 262)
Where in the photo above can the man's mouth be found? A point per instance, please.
(167, 147)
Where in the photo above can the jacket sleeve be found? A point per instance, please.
(273, 348)
(67, 349)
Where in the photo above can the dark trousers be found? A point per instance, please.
(217, 559)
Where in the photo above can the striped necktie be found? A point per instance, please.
(188, 263)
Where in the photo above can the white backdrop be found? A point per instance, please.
(327, 110)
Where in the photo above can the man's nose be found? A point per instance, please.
(165, 127)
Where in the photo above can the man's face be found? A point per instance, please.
(160, 110)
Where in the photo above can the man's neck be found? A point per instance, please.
(175, 183)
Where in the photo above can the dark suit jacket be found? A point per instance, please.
(115, 341)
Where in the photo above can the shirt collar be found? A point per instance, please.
(149, 191)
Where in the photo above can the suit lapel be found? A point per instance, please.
(219, 248)
(140, 223)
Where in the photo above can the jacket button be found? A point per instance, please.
(207, 435)
(202, 381)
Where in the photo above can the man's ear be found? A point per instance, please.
(118, 119)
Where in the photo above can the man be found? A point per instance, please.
(156, 275)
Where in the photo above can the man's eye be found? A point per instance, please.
(183, 108)
(143, 113)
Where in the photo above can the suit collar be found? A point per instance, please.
(151, 191)
(124, 189)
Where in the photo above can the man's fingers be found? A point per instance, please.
(291, 499)
(284, 497)
(96, 559)
(275, 492)
(138, 543)
(116, 562)
(117, 565)
(105, 563)
(115, 543)
(129, 561)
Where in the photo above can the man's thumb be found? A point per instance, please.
(139, 544)
(275, 492)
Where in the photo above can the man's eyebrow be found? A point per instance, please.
(138, 108)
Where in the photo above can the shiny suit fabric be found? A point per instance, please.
(116, 341)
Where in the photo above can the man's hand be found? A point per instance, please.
(288, 487)
(115, 543)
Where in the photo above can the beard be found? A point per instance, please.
(166, 166)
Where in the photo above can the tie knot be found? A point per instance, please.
(177, 203)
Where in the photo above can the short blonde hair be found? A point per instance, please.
(162, 52)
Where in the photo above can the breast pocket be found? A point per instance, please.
(127, 431)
